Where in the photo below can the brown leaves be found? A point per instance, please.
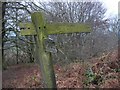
(70, 76)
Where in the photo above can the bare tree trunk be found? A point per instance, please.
(31, 50)
(3, 32)
(0, 34)
(17, 53)
(0, 45)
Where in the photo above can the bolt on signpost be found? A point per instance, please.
(41, 30)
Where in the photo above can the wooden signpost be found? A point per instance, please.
(41, 30)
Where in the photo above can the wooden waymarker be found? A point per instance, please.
(41, 30)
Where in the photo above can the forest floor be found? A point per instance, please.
(102, 72)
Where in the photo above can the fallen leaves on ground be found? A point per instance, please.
(70, 76)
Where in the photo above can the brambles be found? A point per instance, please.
(102, 73)
(92, 78)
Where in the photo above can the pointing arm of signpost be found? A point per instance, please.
(55, 28)
(41, 30)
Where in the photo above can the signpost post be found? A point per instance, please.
(41, 30)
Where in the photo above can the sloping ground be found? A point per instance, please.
(105, 74)
(106, 71)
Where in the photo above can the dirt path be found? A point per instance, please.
(27, 76)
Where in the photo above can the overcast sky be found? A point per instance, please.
(112, 6)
